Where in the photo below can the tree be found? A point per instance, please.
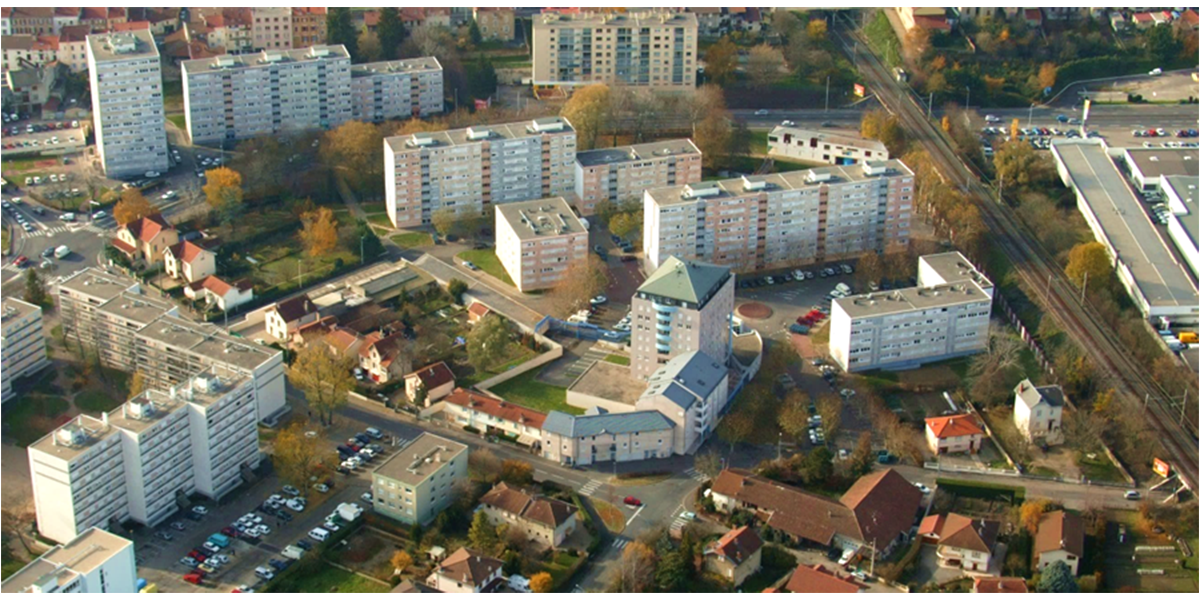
(830, 408)
(863, 456)
(588, 111)
(482, 79)
(1021, 167)
(369, 243)
(541, 583)
(869, 269)
(785, 23)
(299, 458)
(1085, 430)
(488, 341)
(636, 567)
(355, 149)
(993, 374)
(516, 472)
(712, 136)
(474, 34)
(1057, 578)
(1047, 75)
(35, 289)
(764, 65)
(817, 30)
(720, 62)
(445, 221)
(456, 287)
(15, 521)
(708, 464)
(319, 232)
(400, 561)
(369, 47)
(816, 466)
(223, 191)
(1161, 44)
(793, 418)
(1031, 514)
(1088, 262)
(584, 279)
(340, 29)
(674, 569)
(325, 378)
(735, 428)
(483, 535)
(137, 384)
(132, 206)
(391, 32)
(624, 223)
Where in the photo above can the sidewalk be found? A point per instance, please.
(481, 289)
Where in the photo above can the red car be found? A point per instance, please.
(20, 261)
(194, 578)
(631, 501)
(805, 321)
(229, 531)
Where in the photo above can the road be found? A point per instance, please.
(1040, 273)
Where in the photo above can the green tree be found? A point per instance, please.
(1057, 578)
(35, 289)
(817, 466)
(369, 48)
(1021, 167)
(1088, 262)
(369, 243)
(474, 34)
(456, 288)
(391, 32)
(720, 62)
(339, 25)
(483, 535)
(481, 78)
(674, 570)
(1161, 44)
(488, 341)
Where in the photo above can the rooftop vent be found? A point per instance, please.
(318, 51)
(875, 167)
(224, 61)
(548, 125)
(478, 133)
(119, 43)
(754, 185)
(701, 190)
(73, 435)
(421, 140)
(818, 176)
(141, 409)
(272, 57)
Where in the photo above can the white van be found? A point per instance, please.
(265, 572)
(293, 552)
(374, 433)
(62, 251)
(843, 288)
(319, 534)
(68, 217)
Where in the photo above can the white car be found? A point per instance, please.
(761, 112)
(296, 505)
(152, 174)
(200, 510)
(320, 487)
(331, 526)
(367, 497)
(924, 488)
(263, 529)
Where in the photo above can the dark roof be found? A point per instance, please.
(692, 282)
(1031, 395)
(408, 586)
(1059, 530)
(469, 566)
(296, 308)
(435, 375)
(816, 579)
(539, 509)
(958, 531)
(737, 545)
(885, 504)
(687, 378)
(573, 426)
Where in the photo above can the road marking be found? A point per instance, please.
(697, 475)
(635, 515)
(590, 487)
(619, 543)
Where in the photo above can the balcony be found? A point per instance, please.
(663, 326)
(663, 348)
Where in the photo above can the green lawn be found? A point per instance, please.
(21, 165)
(486, 260)
(617, 359)
(327, 579)
(526, 390)
(95, 401)
(180, 121)
(1099, 469)
(412, 239)
(379, 219)
(34, 416)
(882, 39)
(4, 240)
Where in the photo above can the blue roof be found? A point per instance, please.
(573, 426)
(687, 378)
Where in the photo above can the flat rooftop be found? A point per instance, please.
(136, 307)
(144, 411)
(16, 309)
(207, 340)
(795, 180)
(1133, 237)
(408, 65)
(479, 134)
(423, 457)
(125, 45)
(83, 554)
(841, 138)
(609, 381)
(266, 58)
(910, 299)
(545, 218)
(953, 267)
(74, 438)
(636, 152)
(652, 18)
(1156, 162)
(97, 284)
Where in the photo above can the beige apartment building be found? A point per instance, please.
(538, 241)
(468, 170)
(651, 49)
(419, 480)
(767, 221)
(623, 173)
(309, 26)
(127, 103)
(684, 306)
(22, 344)
(396, 89)
(271, 27)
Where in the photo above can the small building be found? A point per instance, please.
(1038, 412)
(1117, 21)
(816, 579)
(285, 318)
(189, 261)
(493, 416)
(953, 434)
(1059, 538)
(215, 291)
(961, 542)
(418, 481)
(735, 556)
(825, 147)
(467, 571)
(476, 312)
(437, 380)
(1143, 20)
(543, 520)
(539, 241)
(599, 436)
(146, 238)
(495, 22)
(96, 561)
(384, 357)
(1000, 585)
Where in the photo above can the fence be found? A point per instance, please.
(555, 351)
(937, 466)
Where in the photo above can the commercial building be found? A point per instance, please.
(1158, 283)
(132, 331)
(946, 315)
(419, 480)
(396, 89)
(767, 221)
(651, 49)
(623, 173)
(1183, 224)
(691, 390)
(140, 461)
(231, 97)
(94, 562)
(1148, 166)
(543, 520)
(538, 241)
(22, 344)
(127, 103)
(684, 306)
(832, 148)
(601, 437)
(468, 170)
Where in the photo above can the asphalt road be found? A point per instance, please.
(85, 239)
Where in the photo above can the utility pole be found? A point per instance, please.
(1083, 292)
(827, 93)
(968, 104)
(362, 259)
(1031, 114)
(929, 107)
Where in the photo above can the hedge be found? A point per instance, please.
(313, 560)
(983, 491)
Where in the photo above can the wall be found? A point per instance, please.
(555, 351)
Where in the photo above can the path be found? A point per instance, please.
(482, 289)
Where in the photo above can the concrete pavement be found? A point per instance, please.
(485, 291)
(1071, 495)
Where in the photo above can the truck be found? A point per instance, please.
(349, 511)
(219, 539)
(62, 251)
(293, 552)
(1189, 337)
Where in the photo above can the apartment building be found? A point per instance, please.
(271, 27)
(691, 390)
(684, 306)
(946, 315)
(127, 103)
(396, 89)
(132, 331)
(138, 461)
(601, 437)
(308, 26)
(623, 173)
(72, 47)
(238, 97)
(496, 23)
(652, 49)
(767, 221)
(94, 562)
(468, 170)
(22, 343)
(23, 51)
(29, 20)
(539, 241)
(419, 480)
(831, 148)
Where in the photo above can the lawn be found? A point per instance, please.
(4, 241)
(412, 239)
(328, 579)
(380, 219)
(613, 516)
(172, 94)
(516, 355)
(882, 39)
(486, 260)
(1099, 468)
(34, 416)
(21, 165)
(617, 359)
(180, 121)
(526, 390)
(560, 567)
(96, 401)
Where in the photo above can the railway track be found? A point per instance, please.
(1036, 269)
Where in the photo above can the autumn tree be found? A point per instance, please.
(869, 269)
(137, 384)
(735, 428)
(541, 583)
(299, 459)
(445, 221)
(1031, 514)
(400, 561)
(829, 407)
(588, 111)
(817, 30)
(623, 224)
(1019, 166)
(584, 279)
(132, 206)
(992, 374)
(319, 232)
(35, 289)
(223, 191)
(793, 417)
(713, 136)
(764, 65)
(863, 456)
(636, 569)
(880, 125)
(483, 535)
(785, 23)
(516, 472)
(369, 47)
(355, 150)
(1047, 75)
(488, 341)
(15, 521)
(1088, 265)
(720, 62)
(324, 377)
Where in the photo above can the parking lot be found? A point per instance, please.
(42, 136)
(791, 299)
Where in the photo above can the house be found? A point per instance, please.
(961, 541)
(1143, 20)
(952, 434)
(932, 18)
(146, 238)
(816, 579)
(879, 508)
(543, 520)
(1038, 412)
(495, 23)
(467, 571)
(1059, 538)
(284, 318)
(437, 380)
(384, 357)
(189, 261)
(494, 416)
(1190, 19)
(735, 556)
(1000, 585)
(216, 291)
(476, 312)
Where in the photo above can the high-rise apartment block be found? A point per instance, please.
(467, 170)
(684, 306)
(23, 344)
(231, 97)
(127, 103)
(132, 331)
(652, 49)
(95, 562)
(538, 241)
(396, 89)
(139, 461)
(272, 27)
(766, 221)
(625, 172)
(944, 316)
(418, 481)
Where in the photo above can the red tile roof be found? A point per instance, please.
(435, 375)
(1190, 17)
(478, 309)
(957, 531)
(130, 26)
(342, 338)
(1143, 17)
(1059, 530)
(219, 286)
(1001, 585)
(953, 426)
(469, 566)
(186, 251)
(120, 244)
(74, 33)
(546, 511)
(147, 228)
(738, 545)
(884, 503)
(389, 347)
(496, 408)
(63, 11)
(371, 18)
(816, 579)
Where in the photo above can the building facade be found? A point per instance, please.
(545, 521)
(1060, 537)
(467, 572)
(830, 148)
(691, 390)
(1038, 412)
(23, 51)
(735, 555)
(468, 170)
(94, 562)
(496, 23)
(624, 173)
(953, 434)
(271, 27)
(962, 542)
(539, 241)
(189, 261)
(22, 344)
(684, 306)
(309, 26)
(419, 480)
(602, 437)
(127, 103)
(396, 89)
(493, 416)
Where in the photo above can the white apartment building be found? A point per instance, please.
(946, 315)
(825, 147)
(127, 103)
(468, 170)
(653, 49)
(623, 173)
(767, 221)
(396, 89)
(94, 562)
(684, 306)
(419, 480)
(691, 390)
(271, 27)
(138, 461)
(22, 343)
(230, 97)
(538, 241)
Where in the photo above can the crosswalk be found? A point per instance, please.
(620, 542)
(52, 231)
(679, 523)
(590, 487)
(697, 475)
(398, 442)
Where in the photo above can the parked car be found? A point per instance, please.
(631, 501)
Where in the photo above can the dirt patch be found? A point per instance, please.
(753, 310)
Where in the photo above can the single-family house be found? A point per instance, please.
(735, 556)
(189, 261)
(284, 318)
(146, 238)
(476, 312)
(816, 579)
(961, 541)
(1000, 585)
(1038, 412)
(543, 520)
(436, 381)
(953, 434)
(1143, 20)
(1059, 537)
(225, 295)
(1117, 21)
(384, 357)
(494, 416)
(467, 571)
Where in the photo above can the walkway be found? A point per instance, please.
(481, 289)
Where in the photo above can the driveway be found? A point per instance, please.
(928, 570)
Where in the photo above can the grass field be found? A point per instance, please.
(379, 219)
(882, 39)
(34, 416)
(412, 239)
(617, 359)
(96, 401)
(613, 516)
(180, 121)
(487, 261)
(526, 390)
(331, 579)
